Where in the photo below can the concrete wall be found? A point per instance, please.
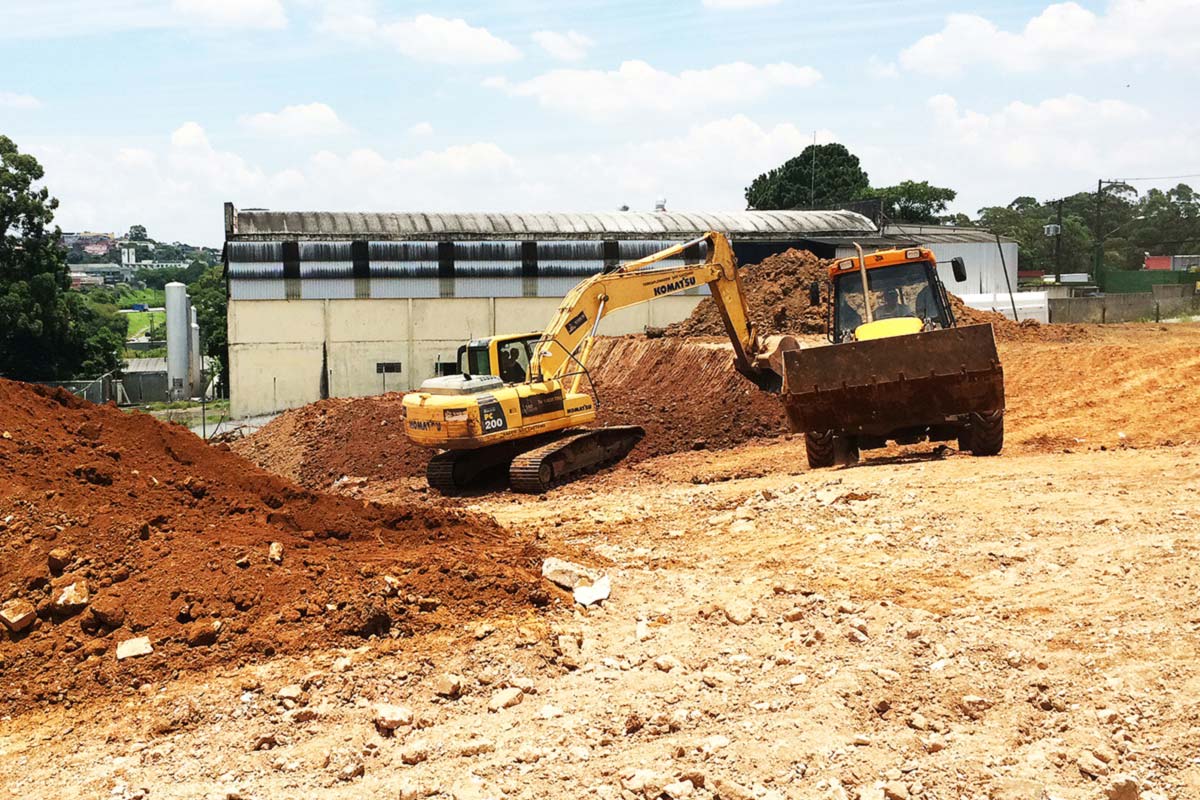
(1029, 305)
(277, 348)
(1128, 307)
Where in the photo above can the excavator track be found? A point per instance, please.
(572, 456)
(440, 472)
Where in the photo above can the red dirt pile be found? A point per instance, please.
(777, 293)
(685, 394)
(115, 526)
(317, 444)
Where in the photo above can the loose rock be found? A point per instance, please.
(449, 686)
(133, 648)
(388, 718)
(72, 598)
(505, 698)
(17, 615)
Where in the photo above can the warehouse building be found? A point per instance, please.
(353, 304)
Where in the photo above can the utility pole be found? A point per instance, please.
(812, 182)
(1058, 246)
(1099, 245)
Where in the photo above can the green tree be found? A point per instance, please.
(209, 300)
(913, 201)
(47, 332)
(137, 233)
(822, 175)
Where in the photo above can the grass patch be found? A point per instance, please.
(128, 298)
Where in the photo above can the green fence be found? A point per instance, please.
(1122, 281)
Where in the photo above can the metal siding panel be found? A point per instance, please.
(257, 290)
(327, 289)
(406, 287)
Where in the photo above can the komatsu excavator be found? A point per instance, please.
(519, 402)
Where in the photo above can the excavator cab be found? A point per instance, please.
(507, 357)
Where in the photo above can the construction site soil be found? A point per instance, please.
(922, 625)
(115, 526)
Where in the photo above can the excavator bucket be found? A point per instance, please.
(882, 385)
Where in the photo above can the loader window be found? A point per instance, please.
(903, 290)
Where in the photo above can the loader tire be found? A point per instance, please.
(985, 436)
(819, 446)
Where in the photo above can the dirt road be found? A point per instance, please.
(924, 626)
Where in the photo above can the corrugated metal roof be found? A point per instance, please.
(145, 365)
(743, 225)
(942, 233)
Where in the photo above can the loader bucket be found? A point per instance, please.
(873, 387)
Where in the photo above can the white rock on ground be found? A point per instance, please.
(388, 717)
(587, 595)
(132, 648)
(72, 597)
(505, 698)
(566, 574)
(17, 615)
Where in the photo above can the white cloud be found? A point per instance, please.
(569, 46)
(1062, 35)
(424, 37)
(1050, 148)
(421, 129)
(232, 13)
(737, 4)
(877, 68)
(57, 19)
(18, 100)
(312, 119)
(637, 87)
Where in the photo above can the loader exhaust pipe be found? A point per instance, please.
(862, 268)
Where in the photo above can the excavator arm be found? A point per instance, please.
(564, 346)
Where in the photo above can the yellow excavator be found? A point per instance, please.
(519, 403)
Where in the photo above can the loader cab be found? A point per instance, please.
(904, 293)
(506, 357)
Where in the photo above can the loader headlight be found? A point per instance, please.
(455, 415)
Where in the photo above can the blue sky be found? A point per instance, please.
(157, 111)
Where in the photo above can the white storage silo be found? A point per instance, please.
(178, 349)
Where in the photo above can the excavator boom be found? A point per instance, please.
(565, 345)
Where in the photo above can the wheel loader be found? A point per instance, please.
(899, 367)
(519, 404)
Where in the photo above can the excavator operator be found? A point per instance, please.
(511, 370)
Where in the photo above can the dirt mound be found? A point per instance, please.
(777, 293)
(319, 443)
(1132, 386)
(164, 537)
(685, 394)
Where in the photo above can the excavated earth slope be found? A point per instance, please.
(115, 526)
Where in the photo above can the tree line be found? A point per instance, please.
(1116, 223)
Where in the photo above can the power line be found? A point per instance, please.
(1157, 178)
